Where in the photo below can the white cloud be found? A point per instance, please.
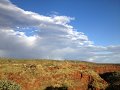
(52, 37)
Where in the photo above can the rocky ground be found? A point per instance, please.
(58, 75)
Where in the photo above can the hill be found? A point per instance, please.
(26, 74)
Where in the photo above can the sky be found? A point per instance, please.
(95, 18)
(86, 30)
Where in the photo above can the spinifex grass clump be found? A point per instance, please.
(8, 85)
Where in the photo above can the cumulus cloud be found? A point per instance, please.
(52, 37)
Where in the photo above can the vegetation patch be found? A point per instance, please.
(8, 85)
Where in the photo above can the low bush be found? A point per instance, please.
(8, 85)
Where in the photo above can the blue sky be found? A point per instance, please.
(98, 19)
(85, 30)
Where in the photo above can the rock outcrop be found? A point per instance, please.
(106, 68)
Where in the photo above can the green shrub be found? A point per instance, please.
(8, 85)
